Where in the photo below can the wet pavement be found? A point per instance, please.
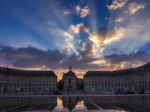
(76, 104)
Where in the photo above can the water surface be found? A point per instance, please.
(76, 104)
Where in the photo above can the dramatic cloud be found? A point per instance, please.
(115, 35)
(117, 4)
(72, 43)
(134, 29)
(82, 11)
(136, 32)
(127, 61)
(31, 58)
(135, 7)
(100, 62)
(63, 34)
(75, 29)
(97, 44)
(119, 19)
(121, 65)
(69, 46)
(99, 41)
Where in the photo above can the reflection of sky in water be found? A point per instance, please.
(59, 106)
(80, 107)
(126, 103)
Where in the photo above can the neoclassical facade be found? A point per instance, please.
(21, 82)
(135, 80)
(70, 81)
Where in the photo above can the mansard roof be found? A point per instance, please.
(146, 66)
(70, 73)
(107, 73)
(133, 71)
(17, 72)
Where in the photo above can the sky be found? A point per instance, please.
(86, 34)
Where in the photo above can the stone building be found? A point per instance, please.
(70, 81)
(135, 80)
(14, 81)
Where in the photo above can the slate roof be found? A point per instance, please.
(16, 72)
(133, 71)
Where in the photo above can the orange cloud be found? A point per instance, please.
(99, 41)
(82, 11)
(117, 4)
(69, 44)
(135, 7)
(75, 29)
(115, 35)
(119, 66)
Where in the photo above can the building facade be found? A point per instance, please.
(14, 81)
(22, 82)
(136, 80)
(70, 81)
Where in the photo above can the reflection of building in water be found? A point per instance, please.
(70, 81)
(104, 101)
(14, 81)
(59, 104)
(28, 103)
(137, 103)
(80, 106)
(137, 79)
(70, 102)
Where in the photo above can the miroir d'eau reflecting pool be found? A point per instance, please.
(126, 103)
